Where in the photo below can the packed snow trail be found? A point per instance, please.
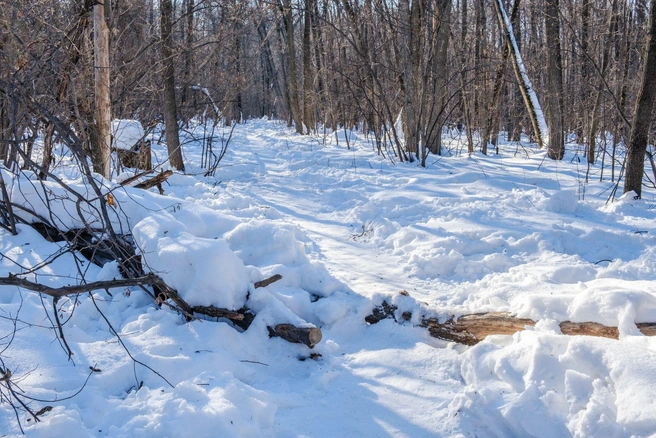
(347, 228)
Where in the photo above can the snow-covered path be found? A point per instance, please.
(347, 228)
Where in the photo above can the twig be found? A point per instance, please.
(59, 327)
(134, 360)
(267, 281)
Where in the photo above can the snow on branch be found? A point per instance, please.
(536, 114)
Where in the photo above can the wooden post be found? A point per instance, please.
(101, 148)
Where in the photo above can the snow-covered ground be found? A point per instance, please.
(346, 229)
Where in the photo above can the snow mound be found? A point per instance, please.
(562, 201)
(203, 271)
(126, 133)
(570, 385)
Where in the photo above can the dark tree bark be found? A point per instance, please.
(514, 112)
(556, 146)
(594, 120)
(410, 31)
(169, 104)
(441, 77)
(635, 158)
(464, 95)
(308, 116)
(288, 18)
(188, 52)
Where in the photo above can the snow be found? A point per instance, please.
(346, 229)
(126, 133)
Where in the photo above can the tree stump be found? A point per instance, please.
(139, 157)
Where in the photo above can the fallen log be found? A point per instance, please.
(309, 336)
(157, 180)
(133, 178)
(473, 328)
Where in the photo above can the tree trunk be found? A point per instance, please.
(492, 129)
(441, 77)
(101, 147)
(308, 116)
(582, 119)
(288, 18)
(515, 113)
(530, 98)
(409, 35)
(169, 105)
(188, 54)
(594, 121)
(635, 158)
(556, 147)
(464, 94)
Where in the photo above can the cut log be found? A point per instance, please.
(309, 336)
(473, 328)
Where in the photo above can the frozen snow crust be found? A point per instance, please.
(346, 229)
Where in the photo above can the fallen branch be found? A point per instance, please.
(157, 180)
(58, 292)
(243, 317)
(473, 328)
(133, 178)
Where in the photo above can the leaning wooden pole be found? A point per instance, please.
(103, 115)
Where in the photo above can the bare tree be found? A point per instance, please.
(637, 146)
(168, 99)
(528, 93)
(556, 146)
(101, 147)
